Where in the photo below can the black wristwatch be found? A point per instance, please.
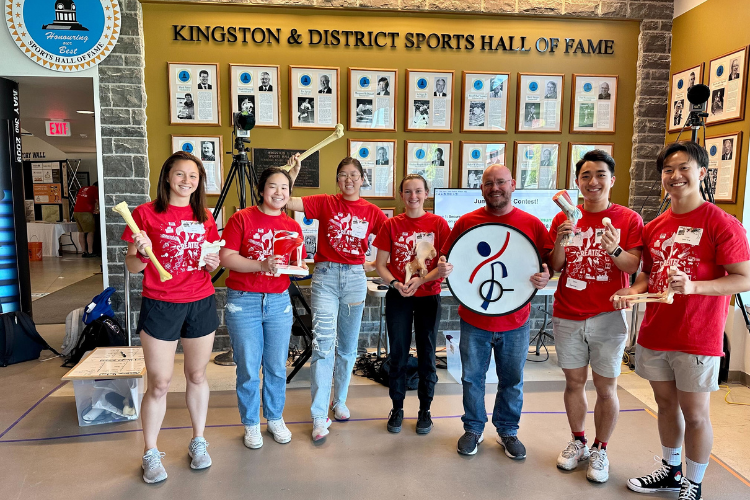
(390, 285)
(617, 252)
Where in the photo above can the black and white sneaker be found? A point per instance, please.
(665, 478)
(513, 447)
(468, 444)
(395, 419)
(690, 490)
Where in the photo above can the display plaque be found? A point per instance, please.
(309, 175)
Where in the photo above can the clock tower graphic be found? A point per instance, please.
(65, 17)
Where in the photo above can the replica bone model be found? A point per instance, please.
(665, 297)
(209, 249)
(562, 199)
(124, 211)
(338, 133)
(423, 251)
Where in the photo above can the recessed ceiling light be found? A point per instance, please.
(82, 112)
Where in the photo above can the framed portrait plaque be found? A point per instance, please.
(256, 89)
(539, 100)
(194, 94)
(372, 99)
(593, 106)
(474, 158)
(429, 100)
(209, 148)
(679, 107)
(309, 234)
(371, 250)
(536, 165)
(378, 159)
(727, 81)
(484, 101)
(576, 150)
(313, 97)
(723, 165)
(431, 160)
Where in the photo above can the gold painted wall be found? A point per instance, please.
(701, 34)
(159, 48)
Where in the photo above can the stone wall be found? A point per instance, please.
(123, 103)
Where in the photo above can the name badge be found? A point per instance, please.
(688, 235)
(575, 284)
(576, 240)
(359, 228)
(192, 227)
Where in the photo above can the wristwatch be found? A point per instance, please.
(616, 253)
(391, 284)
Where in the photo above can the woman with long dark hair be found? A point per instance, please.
(175, 225)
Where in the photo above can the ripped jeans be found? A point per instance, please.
(259, 327)
(338, 299)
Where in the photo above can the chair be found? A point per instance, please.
(302, 326)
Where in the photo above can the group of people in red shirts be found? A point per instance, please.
(695, 250)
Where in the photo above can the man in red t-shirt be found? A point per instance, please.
(508, 335)
(87, 203)
(596, 257)
(700, 253)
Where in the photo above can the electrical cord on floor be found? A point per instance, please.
(726, 397)
(626, 362)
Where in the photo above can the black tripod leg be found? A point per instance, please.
(741, 303)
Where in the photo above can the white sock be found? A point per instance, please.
(694, 471)
(673, 456)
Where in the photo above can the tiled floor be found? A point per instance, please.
(55, 273)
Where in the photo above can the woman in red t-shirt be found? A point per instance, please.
(339, 285)
(259, 312)
(401, 239)
(175, 225)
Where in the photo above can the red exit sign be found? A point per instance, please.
(58, 129)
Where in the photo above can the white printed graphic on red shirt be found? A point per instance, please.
(678, 250)
(346, 232)
(260, 245)
(404, 248)
(180, 246)
(587, 260)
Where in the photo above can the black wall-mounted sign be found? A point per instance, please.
(309, 175)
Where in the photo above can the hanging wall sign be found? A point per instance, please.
(63, 35)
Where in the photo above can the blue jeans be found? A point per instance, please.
(259, 327)
(338, 299)
(511, 349)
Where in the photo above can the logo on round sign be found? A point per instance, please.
(183, 76)
(720, 70)
(246, 78)
(364, 82)
(680, 83)
(587, 87)
(533, 86)
(64, 35)
(714, 150)
(478, 84)
(420, 154)
(476, 154)
(187, 147)
(306, 221)
(305, 80)
(364, 152)
(529, 154)
(422, 83)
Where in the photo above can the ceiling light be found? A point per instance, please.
(82, 112)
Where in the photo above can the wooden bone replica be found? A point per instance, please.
(665, 297)
(124, 211)
(338, 133)
(424, 250)
(562, 200)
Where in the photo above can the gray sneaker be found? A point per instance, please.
(153, 470)
(199, 454)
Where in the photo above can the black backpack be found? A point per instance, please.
(19, 339)
(102, 332)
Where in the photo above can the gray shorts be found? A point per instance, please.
(599, 341)
(691, 372)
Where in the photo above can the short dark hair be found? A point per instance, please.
(263, 179)
(350, 161)
(596, 155)
(694, 151)
(202, 72)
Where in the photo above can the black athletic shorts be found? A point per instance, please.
(170, 321)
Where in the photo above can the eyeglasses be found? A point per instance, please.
(498, 183)
(355, 176)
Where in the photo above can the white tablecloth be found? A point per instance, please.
(49, 234)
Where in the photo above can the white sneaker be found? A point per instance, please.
(320, 428)
(253, 437)
(279, 430)
(340, 412)
(574, 453)
(598, 471)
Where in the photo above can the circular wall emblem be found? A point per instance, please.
(184, 76)
(422, 83)
(533, 86)
(246, 78)
(420, 154)
(476, 154)
(187, 147)
(364, 152)
(587, 87)
(720, 70)
(529, 154)
(478, 84)
(305, 80)
(64, 35)
(306, 221)
(713, 150)
(364, 82)
(680, 83)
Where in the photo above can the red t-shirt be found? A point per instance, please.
(590, 276)
(344, 227)
(399, 237)
(698, 243)
(86, 199)
(253, 234)
(527, 224)
(177, 238)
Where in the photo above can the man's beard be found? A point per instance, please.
(496, 205)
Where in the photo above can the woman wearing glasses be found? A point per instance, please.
(339, 286)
